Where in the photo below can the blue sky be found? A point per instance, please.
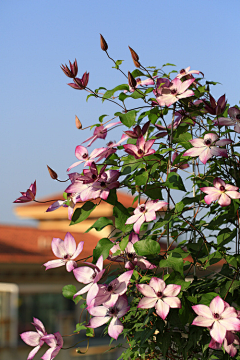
(38, 108)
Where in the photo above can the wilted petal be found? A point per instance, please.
(162, 309)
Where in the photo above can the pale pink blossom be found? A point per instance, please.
(175, 91)
(29, 195)
(145, 213)
(220, 191)
(100, 132)
(219, 317)
(89, 275)
(140, 82)
(141, 149)
(186, 71)
(82, 154)
(66, 250)
(113, 312)
(160, 295)
(234, 119)
(207, 147)
(34, 338)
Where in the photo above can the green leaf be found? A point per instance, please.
(68, 291)
(225, 236)
(90, 332)
(207, 298)
(118, 62)
(147, 247)
(183, 140)
(168, 64)
(80, 327)
(82, 213)
(101, 118)
(137, 73)
(154, 191)
(174, 181)
(142, 178)
(110, 93)
(137, 94)
(100, 224)
(65, 195)
(127, 119)
(121, 215)
(102, 248)
(124, 243)
(174, 261)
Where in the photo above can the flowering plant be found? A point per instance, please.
(171, 237)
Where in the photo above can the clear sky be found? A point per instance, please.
(37, 107)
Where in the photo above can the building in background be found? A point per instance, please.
(27, 290)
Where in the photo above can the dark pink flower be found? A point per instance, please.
(234, 119)
(220, 191)
(207, 147)
(137, 131)
(215, 108)
(82, 154)
(228, 342)
(100, 132)
(159, 295)
(80, 84)
(66, 250)
(141, 149)
(70, 71)
(29, 195)
(219, 317)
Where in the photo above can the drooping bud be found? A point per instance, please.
(136, 63)
(135, 56)
(70, 71)
(78, 123)
(131, 81)
(103, 43)
(52, 173)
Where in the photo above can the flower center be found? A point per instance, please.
(112, 311)
(94, 176)
(238, 116)
(182, 71)
(174, 91)
(66, 257)
(159, 294)
(110, 143)
(140, 152)
(216, 316)
(208, 142)
(142, 208)
(85, 156)
(110, 288)
(103, 184)
(222, 188)
(130, 256)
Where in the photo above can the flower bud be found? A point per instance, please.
(70, 71)
(52, 173)
(136, 63)
(103, 43)
(131, 81)
(78, 123)
(135, 56)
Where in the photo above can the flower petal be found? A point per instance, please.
(162, 309)
(218, 332)
(115, 328)
(172, 290)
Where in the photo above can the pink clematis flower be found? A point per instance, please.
(228, 342)
(234, 114)
(159, 295)
(221, 191)
(215, 107)
(186, 71)
(55, 341)
(109, 294)
(129, 256)
(70, 71)
(145, 213)
(80, 84)
(29, 195)
(113, 312)
(100, 132)
(33, 338)
(175, 91)
(218, 316)
(82, 154)
(66, 250)
(89, 276)
(141, 149)
(207, 147)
